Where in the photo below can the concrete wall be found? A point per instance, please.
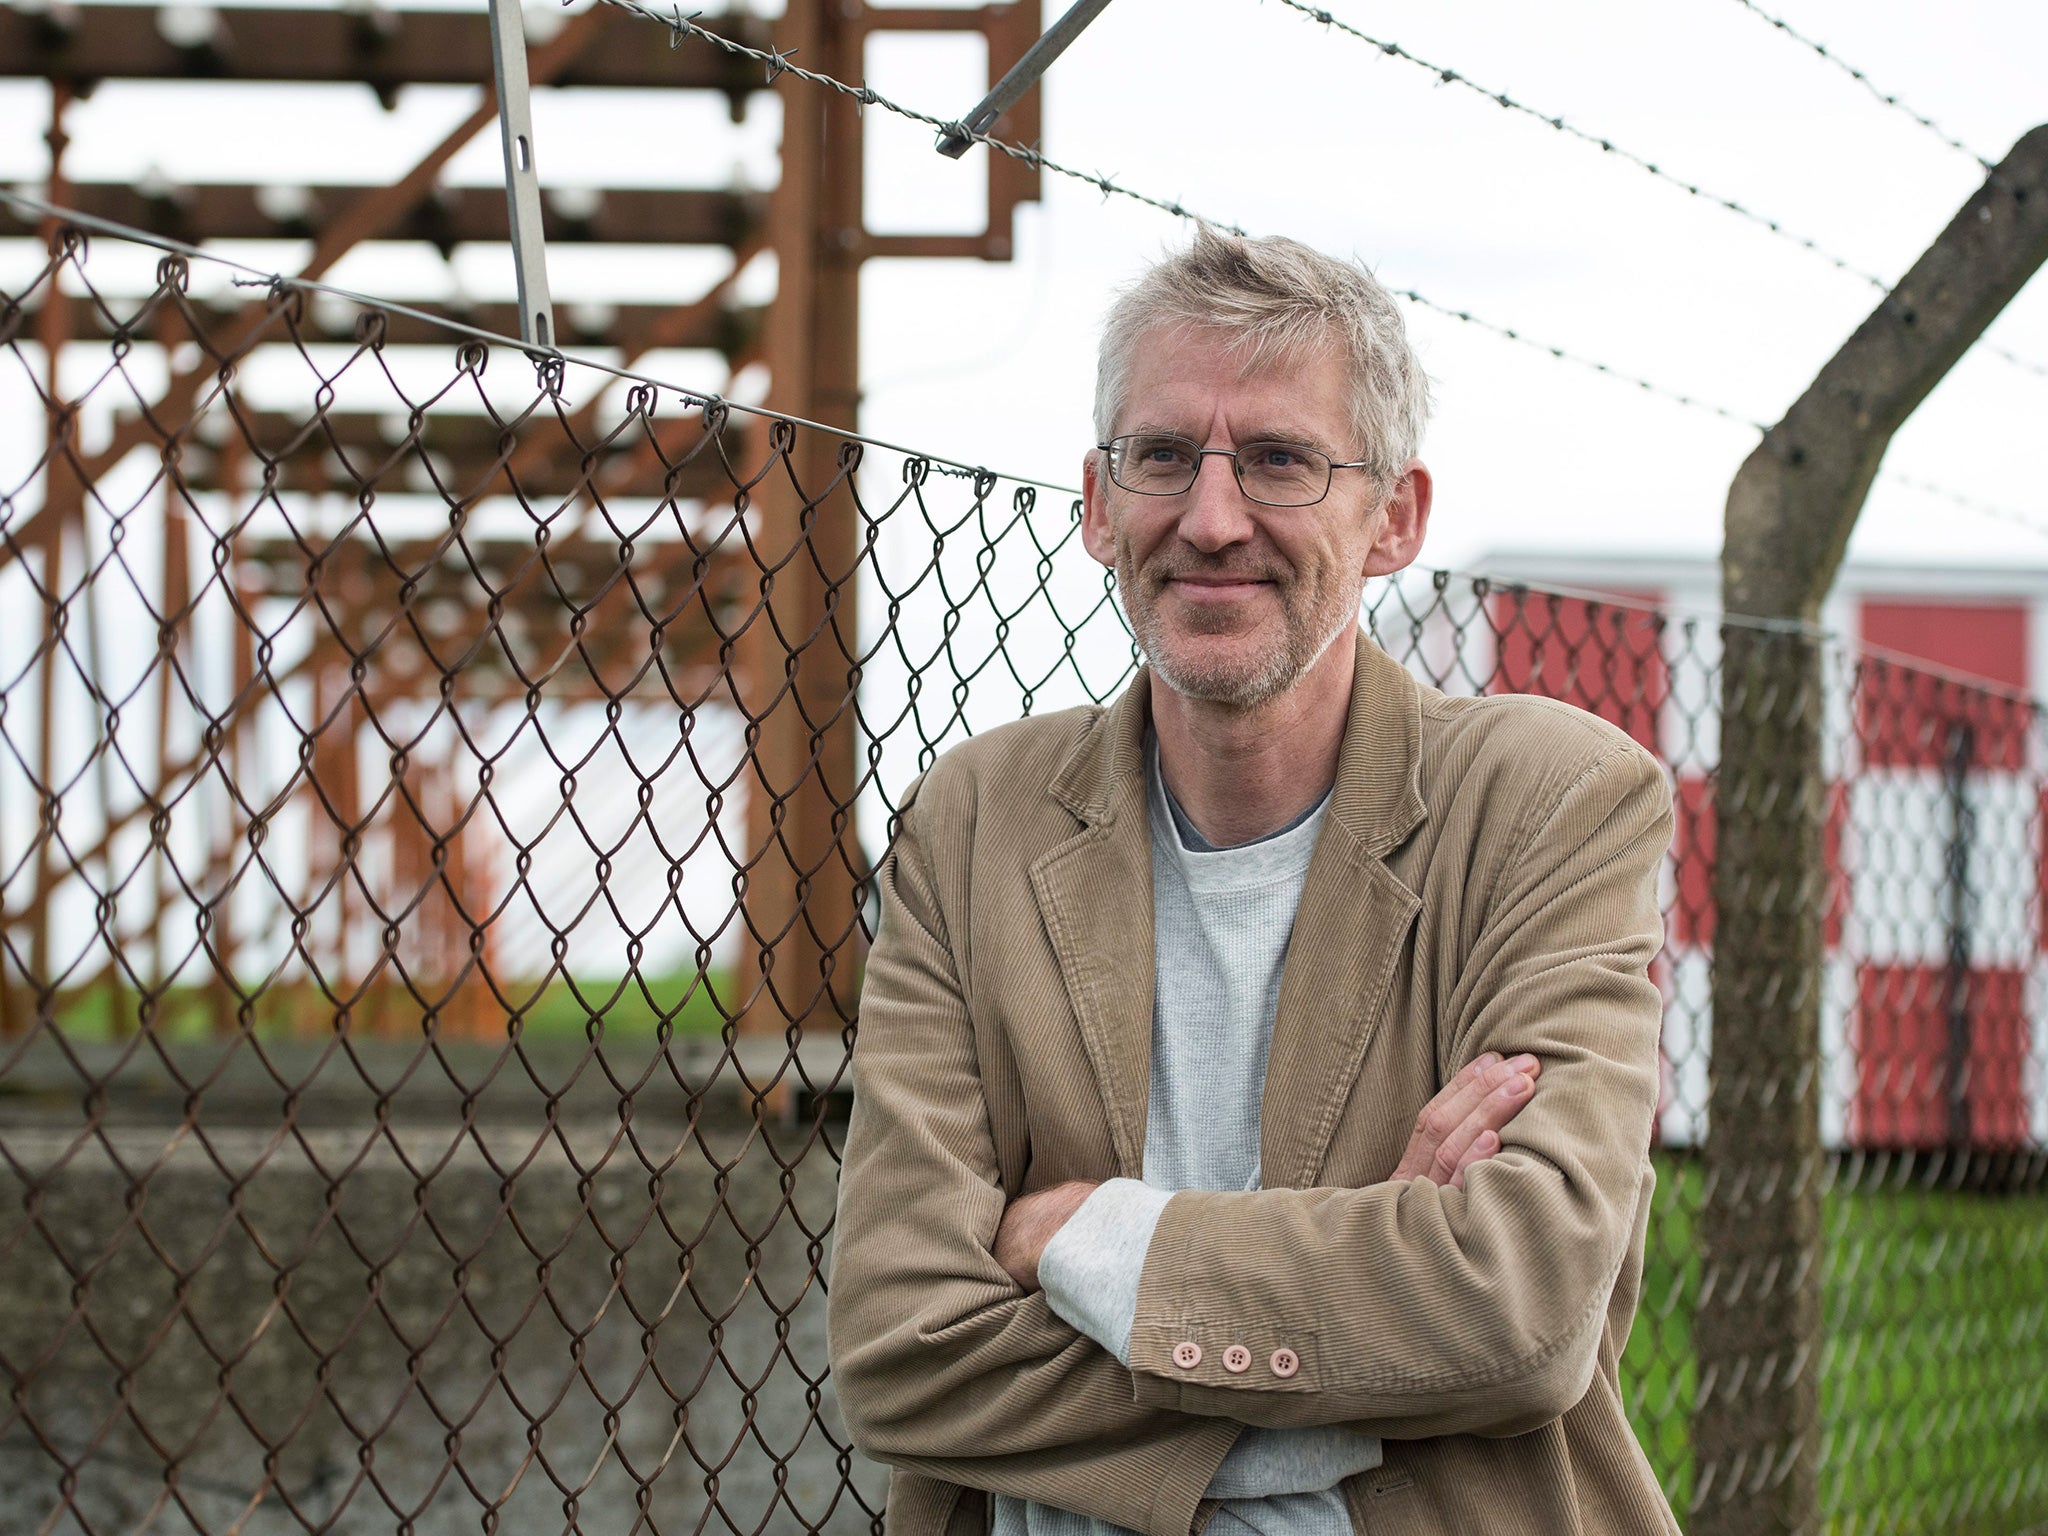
(529, 1325)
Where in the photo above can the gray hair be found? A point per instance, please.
(1278, 300)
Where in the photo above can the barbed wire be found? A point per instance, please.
(1978, 505)
(1566, 355)
(1571, 130)
(1561, 125)
(777, 64)
(1864, 80)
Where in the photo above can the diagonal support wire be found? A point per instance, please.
(522, 181)
(953, 143)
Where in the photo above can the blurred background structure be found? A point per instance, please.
(439, 783)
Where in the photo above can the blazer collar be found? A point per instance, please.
(1094, 894)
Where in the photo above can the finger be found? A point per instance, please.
(1488, 1116)
(1484, 1145)
(1453, 1106)
(1445, 1113)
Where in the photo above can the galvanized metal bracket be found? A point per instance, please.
(522, 181)
(954, 142)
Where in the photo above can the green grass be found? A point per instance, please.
(1934, 1383)
(629, 1008)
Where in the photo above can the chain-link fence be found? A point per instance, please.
(437, 796)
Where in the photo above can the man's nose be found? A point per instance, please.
(1214, 511)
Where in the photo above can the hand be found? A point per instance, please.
(1029, 1224)
(1462, 1124)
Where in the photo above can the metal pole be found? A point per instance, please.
(1757, 1431)
(1962, 750)
(522, 182)
(1022, 76)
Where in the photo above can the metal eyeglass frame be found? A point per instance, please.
(1236, 469)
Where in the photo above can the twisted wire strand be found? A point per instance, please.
(1579, 360)
(1607, 146)
(681, 26)
(777, 64)
(1976, 504)
(1823, 51)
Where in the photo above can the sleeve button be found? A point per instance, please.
(1237, 1359)
(1187, 1354)
(1285, 1362)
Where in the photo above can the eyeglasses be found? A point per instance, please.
(1272, 474)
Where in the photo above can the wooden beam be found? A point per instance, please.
(445, 218)
(371, 211)
(383, 49)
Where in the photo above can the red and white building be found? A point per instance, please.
(1935, 1000)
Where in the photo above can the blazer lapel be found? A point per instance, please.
(1094, 895)
(1350, 929)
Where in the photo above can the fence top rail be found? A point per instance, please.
(1669, 609)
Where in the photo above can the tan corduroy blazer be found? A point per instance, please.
(1485, 879)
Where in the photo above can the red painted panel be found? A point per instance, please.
(1907, 718)
(1834, 837)
(1987, 640)
(1902, 1042)
(1691, 919)
(1601, 657)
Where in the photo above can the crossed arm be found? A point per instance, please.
(949, 1366)
(1459, 1127)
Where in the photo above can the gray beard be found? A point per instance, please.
(1280, 672)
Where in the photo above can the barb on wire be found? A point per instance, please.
(1566, 355)
(1956, 498)
(2009, 515)
(778, 64)
(681, 26)
(1607, 146)
(1823, 51)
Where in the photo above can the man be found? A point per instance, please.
(1199, 1176)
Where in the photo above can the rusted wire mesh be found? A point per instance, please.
(437, 799)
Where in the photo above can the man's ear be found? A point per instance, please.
(1097, 537)
(1403, 522)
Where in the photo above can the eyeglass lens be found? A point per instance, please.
(1278, 474)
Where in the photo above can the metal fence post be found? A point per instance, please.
(1757, 1334)
(1757, 1329)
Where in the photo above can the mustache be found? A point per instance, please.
(1178, 564)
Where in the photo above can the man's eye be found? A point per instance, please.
(1162, 452)
(1273, 456)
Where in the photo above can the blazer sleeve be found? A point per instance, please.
(942, 1365)
(1412, 1310)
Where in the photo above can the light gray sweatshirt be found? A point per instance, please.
(1221, 921)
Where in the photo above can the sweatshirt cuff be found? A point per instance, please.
(1091, 1268)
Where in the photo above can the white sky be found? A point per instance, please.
(1249, 112)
